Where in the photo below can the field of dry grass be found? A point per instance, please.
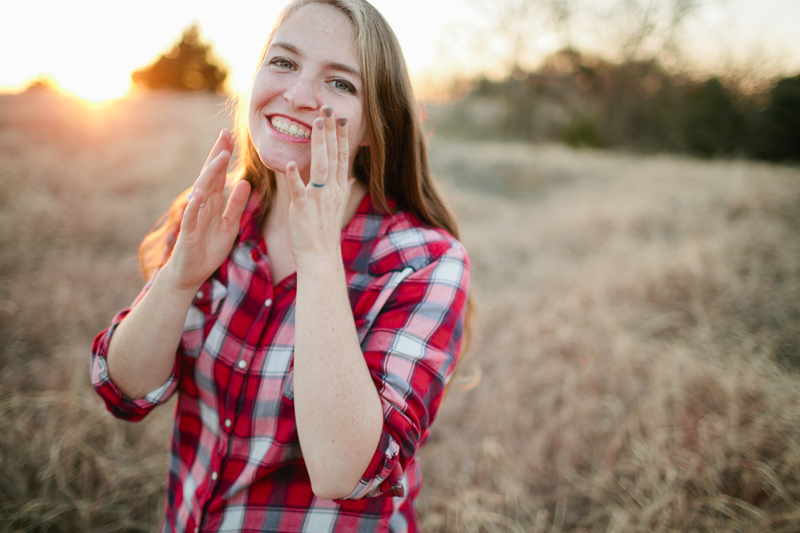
(639, 335)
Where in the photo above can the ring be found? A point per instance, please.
(318, 185)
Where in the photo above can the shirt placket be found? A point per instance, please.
(236, 388)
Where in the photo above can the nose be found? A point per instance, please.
(302, 93)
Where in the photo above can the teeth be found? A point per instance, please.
(290, 128)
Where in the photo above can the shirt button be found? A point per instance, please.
(242, 363)
(214, 476)
(199, 294)
(196, 530)
(268, 302)
(227, 422)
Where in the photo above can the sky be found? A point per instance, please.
(90, 47)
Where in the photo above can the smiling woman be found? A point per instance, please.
(309, 311)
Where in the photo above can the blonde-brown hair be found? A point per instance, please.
(394, 165)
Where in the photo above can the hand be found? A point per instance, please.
(207, 232)
(316, 213)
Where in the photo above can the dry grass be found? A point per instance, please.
(639, 338)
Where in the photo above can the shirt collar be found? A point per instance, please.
(358, 237)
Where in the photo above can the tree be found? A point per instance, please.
(188, 66)
(777, 130)
(713, 124)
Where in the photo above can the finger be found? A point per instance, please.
(330, 139)
(192, 212)
(212, 178)
(297, 190)
(349, 186)
(237, 202)
(220, 175)
(224, 141)
(343, 145)
(319, 154)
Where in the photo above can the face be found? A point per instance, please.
(311, 62)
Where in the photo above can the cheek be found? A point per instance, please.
(358, 136)
(259, 96)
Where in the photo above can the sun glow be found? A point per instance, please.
(97, 93)
(92, 85)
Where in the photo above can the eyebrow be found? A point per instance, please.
(336, 66)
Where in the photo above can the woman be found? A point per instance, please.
(311, 322)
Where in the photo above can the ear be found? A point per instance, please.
(365, 140)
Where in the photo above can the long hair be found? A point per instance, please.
(394, 165)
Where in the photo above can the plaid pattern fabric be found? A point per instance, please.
(235, 460)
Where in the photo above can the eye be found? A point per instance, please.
(344, 85)
(281, 62)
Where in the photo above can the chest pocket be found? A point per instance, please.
(203, 312)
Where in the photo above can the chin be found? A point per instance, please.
(276, 159)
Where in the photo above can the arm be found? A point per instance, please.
(337, 407)
(338, 410)
(141, 353)
(410, 352)
(360, 414)
(411, 349)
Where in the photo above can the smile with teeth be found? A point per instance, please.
(284, 125)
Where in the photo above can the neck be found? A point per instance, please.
(278, 214)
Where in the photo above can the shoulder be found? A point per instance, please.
(377, 243)
(407, 243)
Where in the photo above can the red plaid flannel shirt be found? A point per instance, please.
(235, 460)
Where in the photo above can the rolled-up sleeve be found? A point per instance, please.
(116, 402)
(411, 350)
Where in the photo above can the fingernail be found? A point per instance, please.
(319, 123)
(342, 121)
(328, 110)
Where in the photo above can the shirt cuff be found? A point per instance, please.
(116, 402)
(384, 474)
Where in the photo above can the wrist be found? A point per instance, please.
(320, 266)
(168, 277)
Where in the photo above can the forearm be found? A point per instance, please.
(337, 407)
(142, 351)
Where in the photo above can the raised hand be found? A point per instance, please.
(317, 209)
(209, 227)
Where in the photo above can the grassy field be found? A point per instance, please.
(638, 340)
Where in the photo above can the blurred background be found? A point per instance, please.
(625, 174)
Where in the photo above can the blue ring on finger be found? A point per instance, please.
(318, 185)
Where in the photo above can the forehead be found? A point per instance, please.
(320, 31)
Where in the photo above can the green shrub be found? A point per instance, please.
(581, 132)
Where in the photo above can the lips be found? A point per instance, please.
(289, 127)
